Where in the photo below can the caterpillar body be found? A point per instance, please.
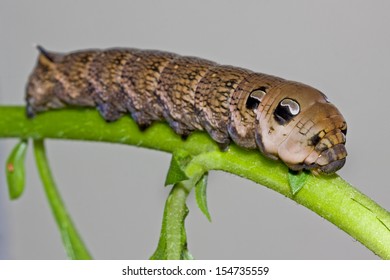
(285, 120)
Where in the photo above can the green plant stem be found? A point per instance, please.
(173, 238)
(173, 241)
(74, 246)
(330, 197)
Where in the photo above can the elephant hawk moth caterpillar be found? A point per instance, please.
(285, 120)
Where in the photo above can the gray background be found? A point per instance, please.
(115, 193)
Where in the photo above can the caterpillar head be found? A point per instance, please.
(297, 124)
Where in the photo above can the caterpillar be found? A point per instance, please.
(285, 120)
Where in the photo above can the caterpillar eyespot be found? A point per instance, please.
(255, 98)
(286, 110)
(285, 120)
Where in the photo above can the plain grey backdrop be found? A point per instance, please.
(115, 193)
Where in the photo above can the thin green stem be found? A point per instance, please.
(331, 197)
(74, 246)
(173, 238)
(173, 241)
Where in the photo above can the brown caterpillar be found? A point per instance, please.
(286, 120)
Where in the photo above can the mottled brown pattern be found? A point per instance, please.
(73, 81)
(142, 73)
(284, 119)
(176, 92)
(102, 76)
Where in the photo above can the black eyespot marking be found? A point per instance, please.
(254, 99)
(315, 139)
(286, 110)
(344, 131)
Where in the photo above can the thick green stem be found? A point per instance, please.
(331, 197)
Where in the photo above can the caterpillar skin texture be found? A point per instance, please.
(285, 120)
